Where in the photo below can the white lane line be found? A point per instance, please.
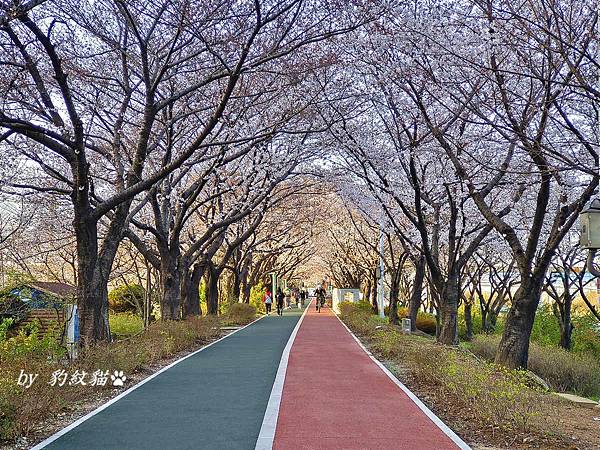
(435, 419)
(91, 414)
(269, 424)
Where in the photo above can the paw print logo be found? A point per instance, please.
(118, 378)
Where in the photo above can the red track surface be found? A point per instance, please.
(336, 397)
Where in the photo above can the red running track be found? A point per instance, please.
(336, 397)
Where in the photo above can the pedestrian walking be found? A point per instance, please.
(268, 300)
(279, 297)
(302, 297)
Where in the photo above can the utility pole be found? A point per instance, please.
(274, 283)
(380, 290)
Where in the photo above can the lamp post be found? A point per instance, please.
(590, 233)
(273, 283)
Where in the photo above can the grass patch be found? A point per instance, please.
(564, 371)
(126, 324)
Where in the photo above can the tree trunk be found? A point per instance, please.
(566, 332)
(485, 321)
(237, 286)
(469, 320)
(212, 290)
(513, 350)
(191, 294)
(393, 312)
(492, 319)
(375, 293)
(417, 293)
(171, 277)
(566, 325)
(449, 312)
(246, 288)
(367, 292)
(92, 290)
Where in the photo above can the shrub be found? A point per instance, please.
(586, 335)
(425, 322)
(240, 313)
(29, 344)
(127, 298)
(562, 370)
(257, 294)
(485, 346)
(5, 325)
(125, 324)
(8, 406)
(364, 306)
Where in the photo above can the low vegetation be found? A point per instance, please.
(546, 330)
(239, 314)
(505, 406)
(123, 325)
(564, 371)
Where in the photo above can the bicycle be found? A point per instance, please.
(320, 303)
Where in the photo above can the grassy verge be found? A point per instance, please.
(22, 410)
(484, 403)
(564, 371)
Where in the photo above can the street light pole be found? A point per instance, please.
(273, 283)
(380, 290)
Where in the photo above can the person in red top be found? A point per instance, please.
(268, 300)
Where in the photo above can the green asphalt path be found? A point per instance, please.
(214, 400)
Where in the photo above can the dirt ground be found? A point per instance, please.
(563, 424)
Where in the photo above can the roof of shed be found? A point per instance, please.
(62, 290)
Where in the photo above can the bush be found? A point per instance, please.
(5, 325)
(425, 322)
(586, 335)
(562, 370)
(29, 344)
(257, 294)
(125, 324)
(126, 298)
(240, 313)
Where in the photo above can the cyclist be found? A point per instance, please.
(320, 294)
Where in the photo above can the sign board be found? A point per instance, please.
(72, 330)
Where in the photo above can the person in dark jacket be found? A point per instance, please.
(279, 298)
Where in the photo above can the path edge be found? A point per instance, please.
(429, 413)
(266, 436)
(102, 407)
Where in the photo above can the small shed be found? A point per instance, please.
(48, 302)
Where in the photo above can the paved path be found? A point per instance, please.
(329, 395)
(336, 397)
(214, 400)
